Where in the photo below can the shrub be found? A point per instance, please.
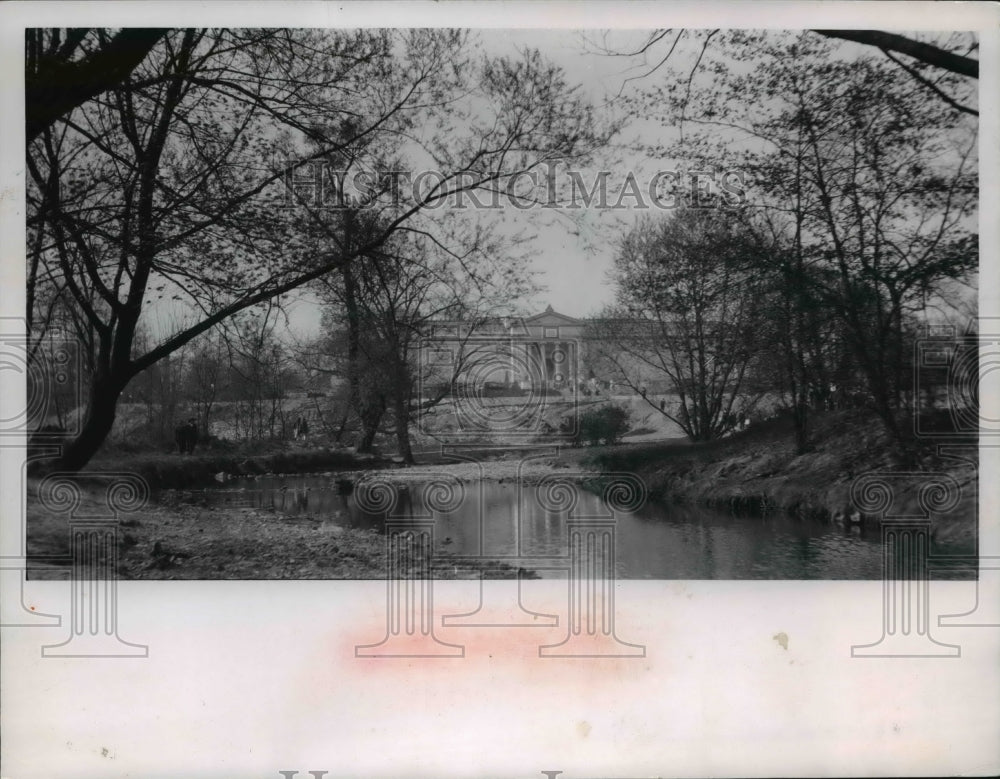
(607, 424)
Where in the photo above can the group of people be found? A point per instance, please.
(186, 436)
(300, 429)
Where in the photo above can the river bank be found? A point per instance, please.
(171, 470)
(175, 539)
(759, 471)
(179, 536)
(183, 534)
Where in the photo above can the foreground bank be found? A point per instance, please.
(172, 538)
(199, 534)
(759, 471)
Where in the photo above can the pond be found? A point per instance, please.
(657, 541)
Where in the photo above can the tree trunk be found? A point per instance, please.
(343, 425)
(96, 427)
(800, 420)
(370, 413)
(206, 417)
(401, 408)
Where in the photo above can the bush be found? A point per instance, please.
(607, 424)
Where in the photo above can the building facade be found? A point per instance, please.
(549, 351)
(540, 351)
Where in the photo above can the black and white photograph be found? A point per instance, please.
(529, 359)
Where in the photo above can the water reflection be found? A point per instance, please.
(657, 542)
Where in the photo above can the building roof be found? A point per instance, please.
(552, 318)
(548, 317)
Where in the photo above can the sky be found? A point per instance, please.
(572, 259)
(571, 263)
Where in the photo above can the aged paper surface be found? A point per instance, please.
(244, 678)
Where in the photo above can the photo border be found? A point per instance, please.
(739, 678)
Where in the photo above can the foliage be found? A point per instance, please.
(866, 189)
(168, 183)
(688, 309)
(606, 424)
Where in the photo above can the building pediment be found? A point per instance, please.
(550, 318)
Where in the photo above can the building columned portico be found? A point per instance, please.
(543, 350)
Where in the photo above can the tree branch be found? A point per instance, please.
(922, 52)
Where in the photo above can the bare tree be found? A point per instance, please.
(940, 63)
(66, 68)
(206, 379)
(388, 304)
(165, 186)
(261, 372)
(872, 185)
(688, 311)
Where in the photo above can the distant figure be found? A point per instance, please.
(192, 434)
(663, 404)
(300, 429)
(186, 436)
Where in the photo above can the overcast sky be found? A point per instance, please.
(572, 258)
(572, 264)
